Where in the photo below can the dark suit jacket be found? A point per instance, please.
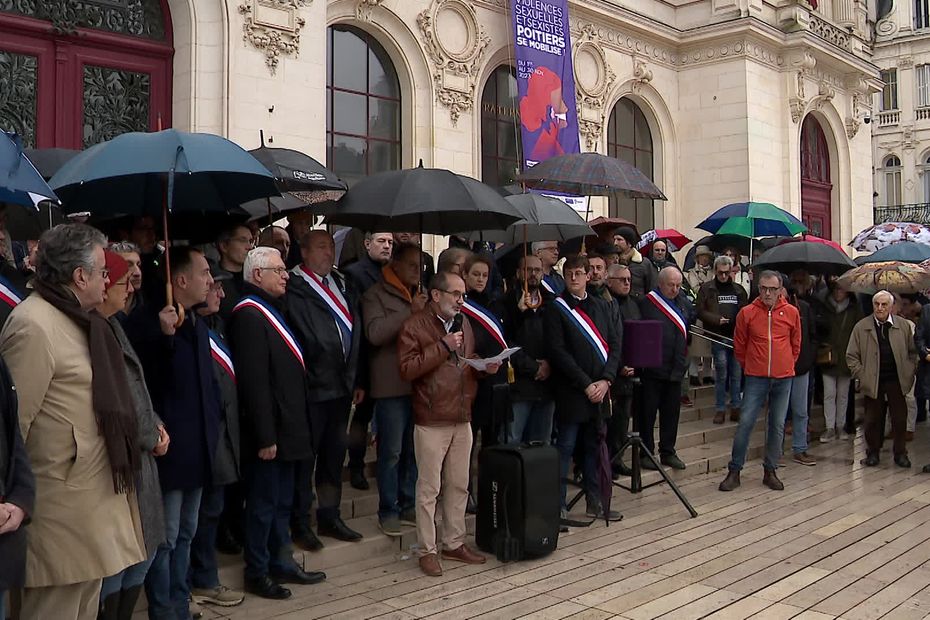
(17, 485)
(575, 363)
(675, 360)
(329, 374)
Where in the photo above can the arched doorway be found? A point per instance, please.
(73, 74)
(816, 187)
(501, 139)
(363, 106)
(630, 139)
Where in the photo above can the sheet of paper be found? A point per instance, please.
(482, 364)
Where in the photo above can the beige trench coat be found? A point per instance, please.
(81, 530)
(862, 354)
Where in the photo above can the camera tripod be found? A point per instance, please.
(635, 444)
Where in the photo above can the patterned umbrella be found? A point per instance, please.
(893, 276)
(752, 219)
(876, 237)
(672, 237)
(590, 174)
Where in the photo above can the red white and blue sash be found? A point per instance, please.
(552, 284)
(586, 326)
(547, 286)
(221, 355)
(277, 322)
(487, 320)
(665, 308)
(8, 293)
(336, 308)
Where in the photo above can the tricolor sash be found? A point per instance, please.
(340, 313)
(665, 308)
(586, 326)
(277, 322)
(487, 320)
(221, 355)
(8, 293)
(551, 284)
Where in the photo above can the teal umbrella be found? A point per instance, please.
(752, 219)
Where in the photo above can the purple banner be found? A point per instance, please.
(545, 79)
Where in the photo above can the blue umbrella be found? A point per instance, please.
(903, 251)
(129, 174)
(20, 182)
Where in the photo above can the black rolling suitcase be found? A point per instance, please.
(518, 501)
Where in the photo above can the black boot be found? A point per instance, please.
(109, 609)
(127, 602)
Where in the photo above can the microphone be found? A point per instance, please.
(456, 324)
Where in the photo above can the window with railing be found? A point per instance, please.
(924, 171)
(891, 177)
(890, 90)
(921, 14)
(923, 85)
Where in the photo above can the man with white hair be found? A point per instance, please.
(548, 253)
(882, 357)
(271, 377)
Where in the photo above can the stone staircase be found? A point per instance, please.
(702, 445)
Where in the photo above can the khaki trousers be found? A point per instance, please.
(442, 454)
(76, 601)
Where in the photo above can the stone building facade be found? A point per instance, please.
(718, 100)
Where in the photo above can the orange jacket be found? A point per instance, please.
(767, 342)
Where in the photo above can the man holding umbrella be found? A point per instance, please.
(641, 269)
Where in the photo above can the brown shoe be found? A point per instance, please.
(464, 554)
(430, 566)
(771, 481)
(720, 417)
(730, 482)
(804, 459)
(908, 435)
(734, 414)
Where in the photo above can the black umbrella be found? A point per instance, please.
(425, 200)
(50, 161)
(23, 224)
(814, 257)
(590, 174)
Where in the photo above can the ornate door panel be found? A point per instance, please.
(816, 188)
(74, 73)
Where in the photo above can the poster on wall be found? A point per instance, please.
(545, 83)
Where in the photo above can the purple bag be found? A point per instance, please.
(642, 344)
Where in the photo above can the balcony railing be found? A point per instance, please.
(917, 213)
(887, 119)
(923, 114)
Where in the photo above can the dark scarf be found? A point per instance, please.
(113, 406)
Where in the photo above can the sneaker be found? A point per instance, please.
(594, 511)
(827, 436)
(390, 526)
(409, 517)
(846, 435)
(686, 401)
(804, 459)
(220, 595)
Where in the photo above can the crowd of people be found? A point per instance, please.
(140, 437)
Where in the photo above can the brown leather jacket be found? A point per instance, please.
(444, 387)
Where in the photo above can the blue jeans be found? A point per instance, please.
(166, 586)
(203, 548)
(799, 413)
(568, 437)
(125, 579)
(532, 421)
(397, 465)
(756, 392)
(726, 367)
(268, 503)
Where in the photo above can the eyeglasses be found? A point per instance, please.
(104, 272)
(278, 270)
(127, 284)
(723, 273)
(456, 295)
(769, 290)
(619, 279)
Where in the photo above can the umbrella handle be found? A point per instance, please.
(169, 292)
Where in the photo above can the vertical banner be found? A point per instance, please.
(545, 82)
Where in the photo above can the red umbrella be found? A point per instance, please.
(814, 239)
(672, 237)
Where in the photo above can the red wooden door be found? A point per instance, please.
(75, 74)
(816, 188)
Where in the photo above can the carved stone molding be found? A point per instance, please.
(905, 62)
(364, 8)
(852, 127)
(836, 35)
(273, 26)
(796, 107)
(591, 90)
(455, 71)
